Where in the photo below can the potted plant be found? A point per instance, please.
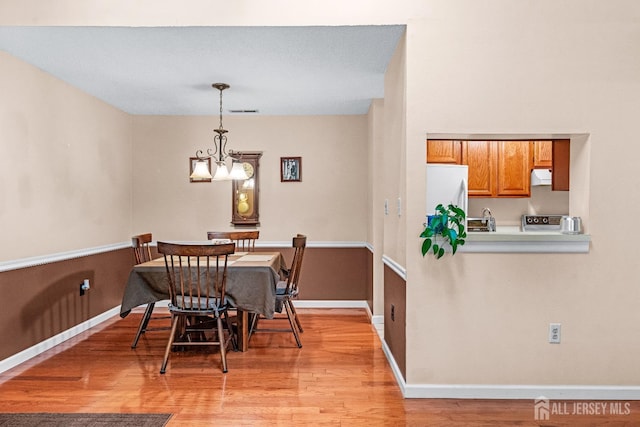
(447, 226)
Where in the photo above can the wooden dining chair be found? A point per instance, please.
(142, 252)
(197, 276)
(245, 240)
(286, 292)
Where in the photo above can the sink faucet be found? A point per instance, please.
(490, 220)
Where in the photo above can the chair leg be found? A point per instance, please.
(292, 323)
(174, 327)
(144, 322)
(253, 324)
(223, 351)
(232, 335)
(295, 315)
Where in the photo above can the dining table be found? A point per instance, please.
(251, 286)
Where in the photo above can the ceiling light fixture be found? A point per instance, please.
(219, 153)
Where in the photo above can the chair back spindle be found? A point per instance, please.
(141, 247)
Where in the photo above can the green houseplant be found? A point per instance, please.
(447, 226)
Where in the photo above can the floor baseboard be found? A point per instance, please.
(41, 347)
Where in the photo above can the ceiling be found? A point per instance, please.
(169, 70)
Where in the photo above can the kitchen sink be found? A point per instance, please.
(481, 224)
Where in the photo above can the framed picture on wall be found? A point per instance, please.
(290, 169)
(192, 166)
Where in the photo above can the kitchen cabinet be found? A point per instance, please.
(503, 168)
(560, 167)
(542, 154)
(481, 157)
(498, 168)
(444, 151)
(514, 168)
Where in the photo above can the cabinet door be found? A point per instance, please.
(442, 151)
(561, 159)
(542, 154)
(514, 169)
(481, 157)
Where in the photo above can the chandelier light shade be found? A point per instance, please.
(218, 153)
(201, 170)
(237, 171)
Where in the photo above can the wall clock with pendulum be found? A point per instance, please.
(245, 192)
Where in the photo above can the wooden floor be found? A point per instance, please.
(339, 378)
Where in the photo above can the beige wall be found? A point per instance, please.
(330, 204)
(65, 166)
(516, 67)
(375, 233)
(393, 153)
(495, 66)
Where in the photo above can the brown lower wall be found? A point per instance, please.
(331, 273)
(370, 280)
(42, 301)
(395, 294)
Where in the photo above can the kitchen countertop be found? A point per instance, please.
(511, 239)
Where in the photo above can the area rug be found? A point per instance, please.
(49, 419)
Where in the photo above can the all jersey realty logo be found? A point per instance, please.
(543, 408)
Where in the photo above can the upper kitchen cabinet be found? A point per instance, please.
(444, 151)
(498, 168)
(561, 159)
(481, 158)
(514, 168)
(542, 154)
(503, 168)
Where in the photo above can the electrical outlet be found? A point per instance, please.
(386, 206)
(554, 333)
(399, 207)
(84, 286)
(393, 312)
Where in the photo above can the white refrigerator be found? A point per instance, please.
(447, 184)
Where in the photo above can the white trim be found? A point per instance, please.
(79, 253)
(327, 244)
(377, 319)
(497, 391)
(61, 256)
(41, 347)
(501, 391)
(400, 270)
(394, 366)
(330, 304)
(369, 246)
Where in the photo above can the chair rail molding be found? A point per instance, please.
(397, 268)
(60, 256)
(310, 244)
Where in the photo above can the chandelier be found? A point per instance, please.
(218, 153)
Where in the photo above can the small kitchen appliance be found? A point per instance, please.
(543, 222)
(571, 225)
